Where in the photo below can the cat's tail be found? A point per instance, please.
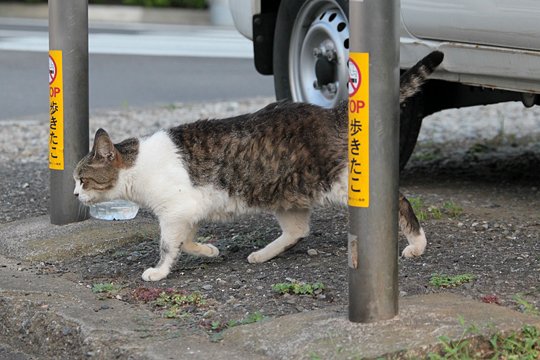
(413, 79)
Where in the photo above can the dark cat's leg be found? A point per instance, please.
(294, 224)
(411, 229)
(175, 236)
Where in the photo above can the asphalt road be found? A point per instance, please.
(190, 64)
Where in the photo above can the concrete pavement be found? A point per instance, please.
(51, 317)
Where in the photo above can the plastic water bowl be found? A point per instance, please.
(114, 210)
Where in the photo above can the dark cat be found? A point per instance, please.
(285, 159)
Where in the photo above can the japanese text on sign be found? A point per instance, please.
(358, 194)
(56, 111)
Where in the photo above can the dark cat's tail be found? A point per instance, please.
(413, 79)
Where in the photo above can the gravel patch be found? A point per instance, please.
(27, 140)
(481, 123)
(482, 160)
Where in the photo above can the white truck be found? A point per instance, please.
(491, 47)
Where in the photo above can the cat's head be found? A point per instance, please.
(97, 175)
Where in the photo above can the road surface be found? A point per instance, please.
(131, 65)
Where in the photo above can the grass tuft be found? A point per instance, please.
(104, 288)
(446, 281)
(522, 344)
(298, 288)
(436, 212)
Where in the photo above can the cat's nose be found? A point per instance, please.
(76, 194)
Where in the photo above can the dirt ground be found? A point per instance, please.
(481, 210)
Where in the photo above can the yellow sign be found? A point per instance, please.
(359, 129)
(56, 111)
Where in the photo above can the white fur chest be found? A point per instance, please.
(158, 176)
(160, 181)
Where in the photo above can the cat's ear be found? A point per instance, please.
(103, 146)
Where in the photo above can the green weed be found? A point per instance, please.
(419, 208)
(178, 304)
(452, 209)
(435, 212)
(446, 281)
(250, 319)
(104, 288)
(427, 154)
(217, 327)
(298, 288)
(479, 148)
(526, 306)
(424, 212)
(523, 344)
(457, 349)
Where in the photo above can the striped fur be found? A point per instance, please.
(413, 79)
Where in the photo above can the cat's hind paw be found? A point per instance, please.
(212, 250)
(198, 249)
(417, 244)
(154, 274)
(411, 251)
(257, 257)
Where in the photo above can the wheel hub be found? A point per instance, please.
(318, 55)
(325, 71)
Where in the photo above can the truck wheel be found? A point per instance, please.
(410, 121)
(311, 49)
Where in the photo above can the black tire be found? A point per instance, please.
(287, 14)
(410, 122)
(411, 113)
(284, 23)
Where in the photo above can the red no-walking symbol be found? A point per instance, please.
(52, 70)
(355, 78)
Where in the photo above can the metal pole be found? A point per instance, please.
(68, 111)
(373, 180)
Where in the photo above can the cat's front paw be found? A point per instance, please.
(257, 257)
(412, 251)
(154, 274)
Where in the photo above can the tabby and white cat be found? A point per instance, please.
(285, 159)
